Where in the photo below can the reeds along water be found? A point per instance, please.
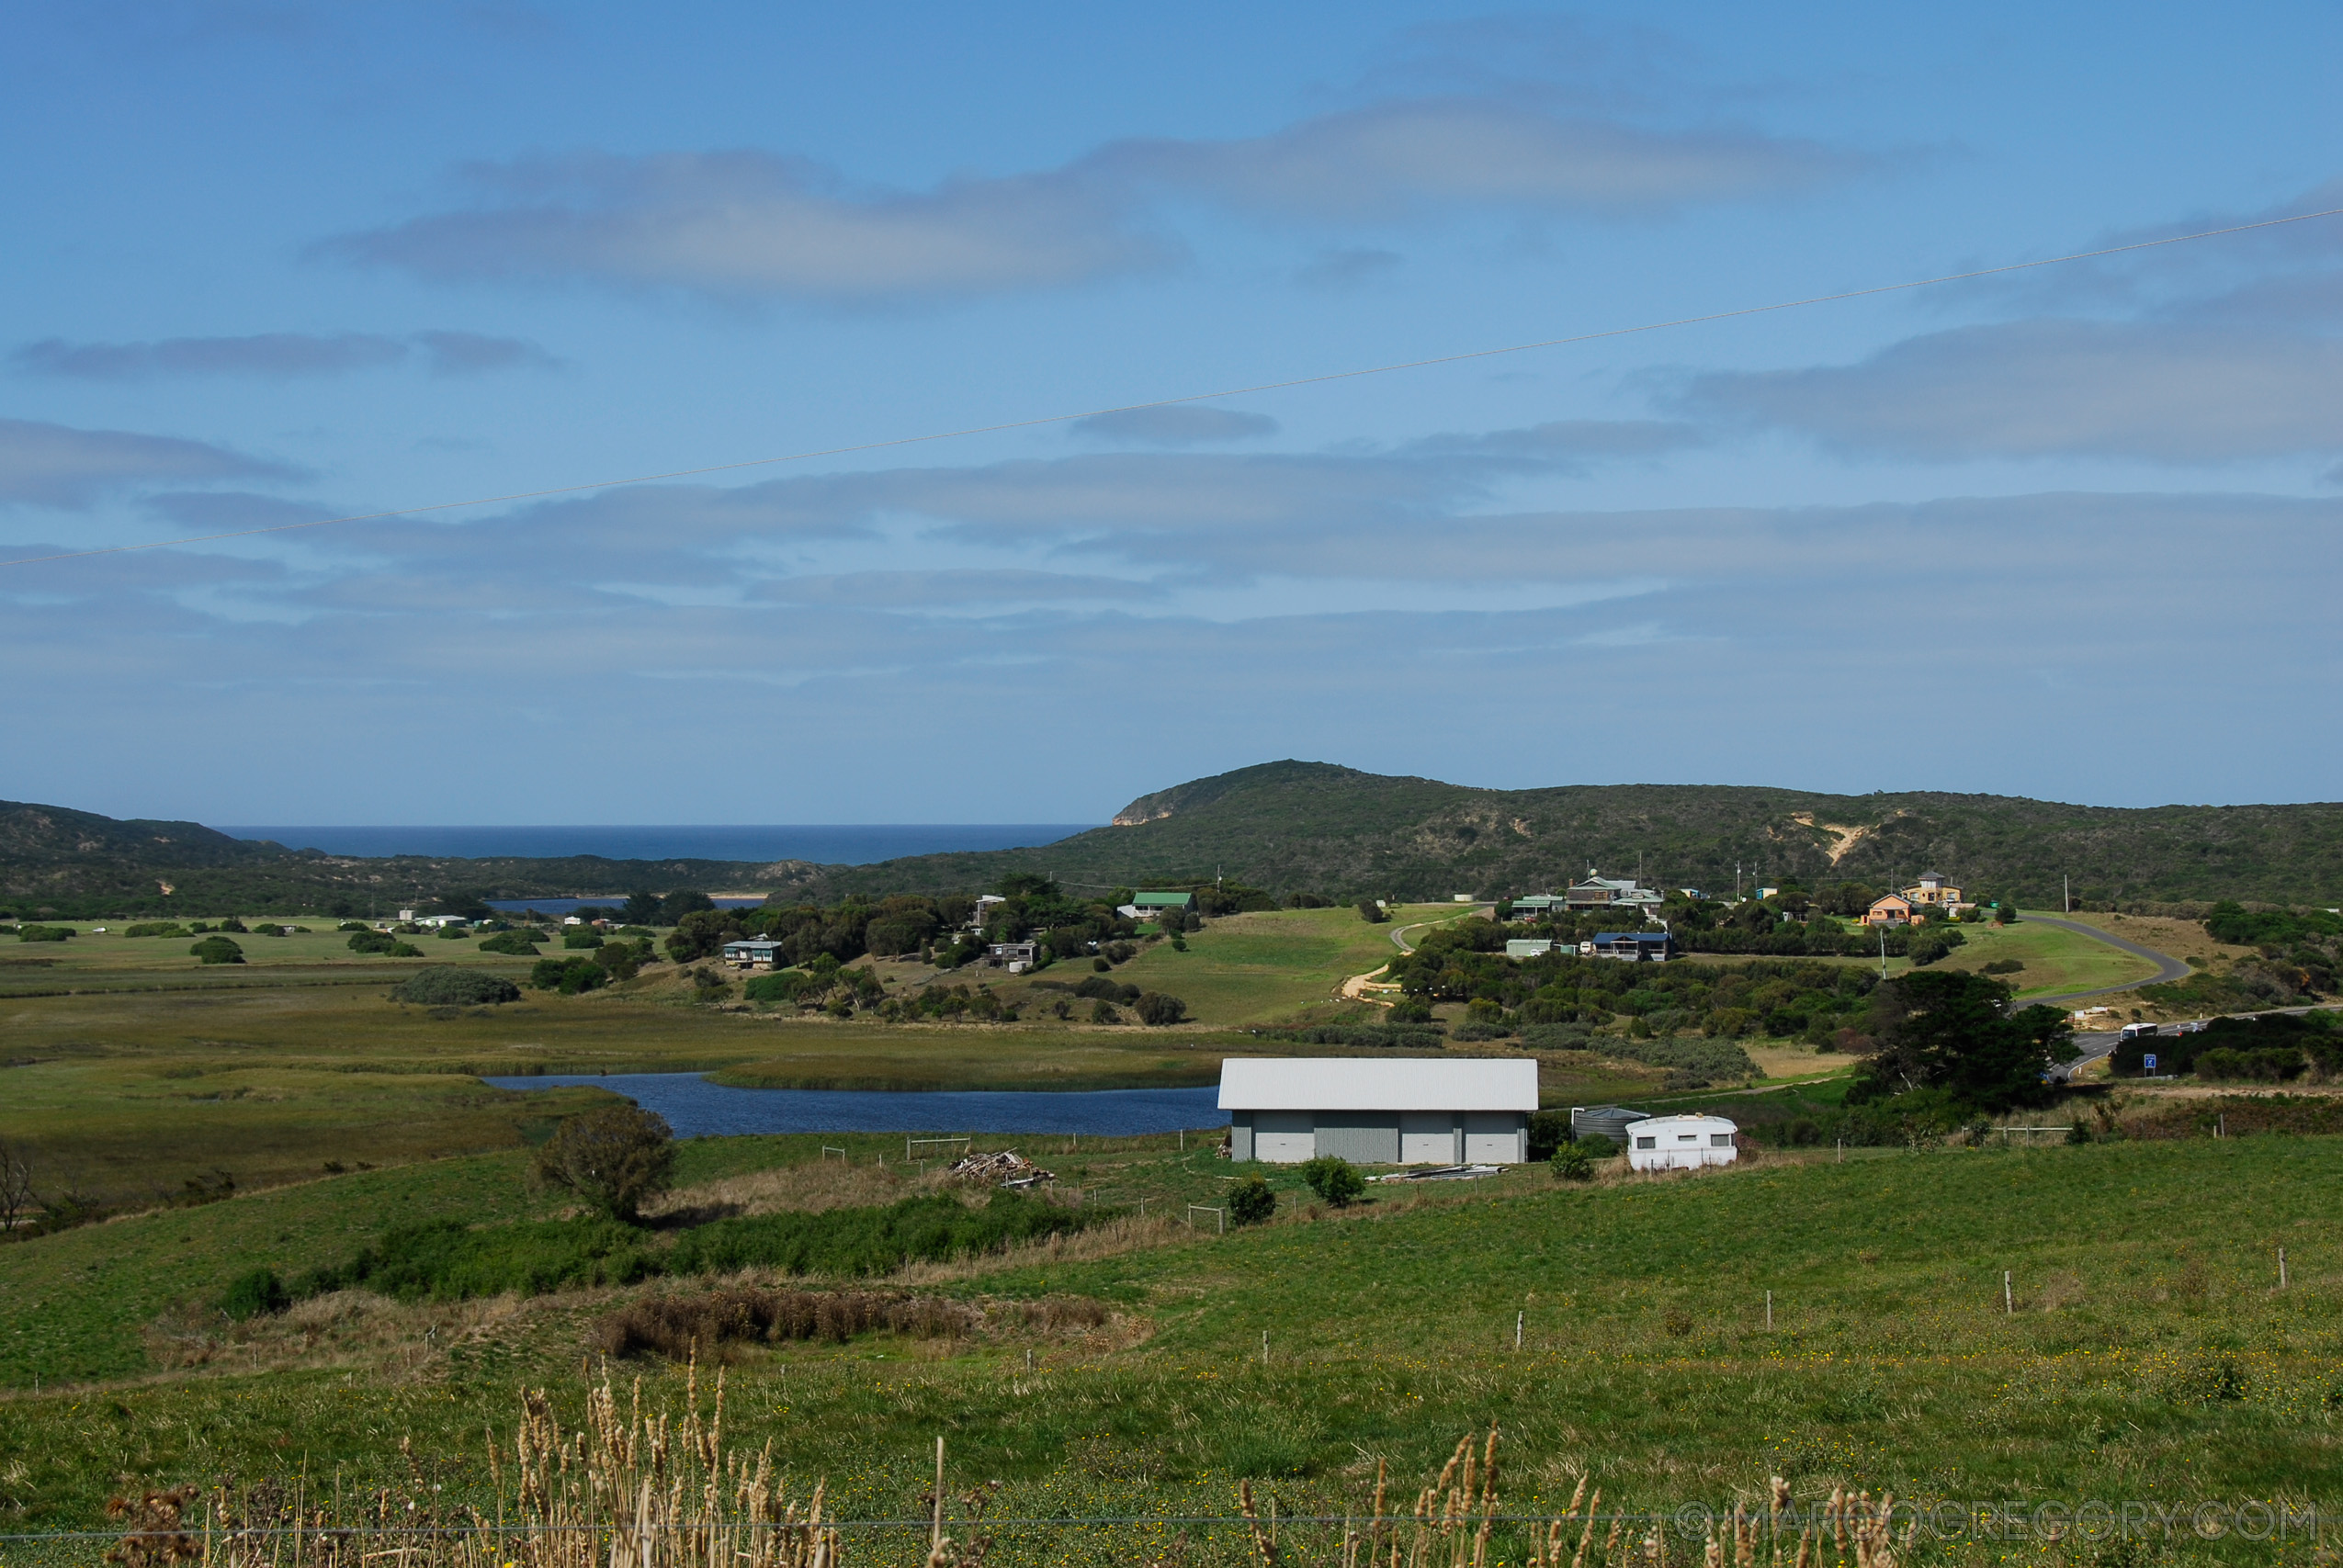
(635, 1489)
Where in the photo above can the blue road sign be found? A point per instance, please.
(2150, 1060)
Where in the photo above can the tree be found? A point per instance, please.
(616, 1160)
(676, 905)
(1333, 1179)
(1250, 1201)
(217, 949)
(642, 909)
(567, 975)
(17, 1200)
(1949, 1031)
(1160, 1011)
(1372, 912)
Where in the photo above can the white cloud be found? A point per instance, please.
(1182, 424)
(2161, 391)
(745, 224)
(748, 224)
(56, 465)
(274, 355)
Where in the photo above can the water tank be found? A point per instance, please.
(1603, 1122)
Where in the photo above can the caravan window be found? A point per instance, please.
(1647, 1143)
(1720, 1140)
(1687, 1137)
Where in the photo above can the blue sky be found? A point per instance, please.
(2067, 532)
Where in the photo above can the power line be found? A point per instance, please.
(1190, 397)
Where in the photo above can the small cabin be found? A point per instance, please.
(1014, 956)
(1634, 947)
(1681, 1142)
(756, 953)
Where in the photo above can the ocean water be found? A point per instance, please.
(826, 844)
(696, 1107)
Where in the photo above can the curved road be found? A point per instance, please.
(2168, 968)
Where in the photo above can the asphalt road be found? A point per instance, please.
(2168, 968)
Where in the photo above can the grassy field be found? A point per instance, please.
(2149, 1353)
(2056, 961)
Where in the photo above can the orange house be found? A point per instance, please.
(1889, 910)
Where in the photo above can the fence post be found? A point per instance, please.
(1517, 1328)
(1769, 1312)
(2281, 1267)
(2008, 1303)
(935, 1525)
(1264, 1347)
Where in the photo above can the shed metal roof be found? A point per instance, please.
(1372, 1083)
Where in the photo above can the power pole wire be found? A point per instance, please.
(1188, 398)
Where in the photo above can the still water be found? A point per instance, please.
(696, 1107)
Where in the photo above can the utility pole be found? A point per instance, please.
(2065, 899)
(1882, 953)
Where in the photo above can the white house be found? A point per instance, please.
(1376, 1111)
(1681, 1143)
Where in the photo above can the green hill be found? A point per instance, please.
(1293, 827)
(1314, 826)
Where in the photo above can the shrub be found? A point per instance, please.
(682, 1327)
(516, 943)
(567, 975)
(445, 1261)
(233, 924)
(1573, 1162)
(259, 1294)
(366, 940)
(613, 1158)
(1549, 1130)
(583, 940)
(217, 949)
(1333, 1179)
(1250, 1201)
(1103, 1011)
(623, 959)
(2268, 1064)
(155, 928)
(445, 985)
(1159, 1010)
(1395, 1037)
(781, 985)
(845, 1243)
(354, 926)
(43, 933)
(453, 933)
(1370, 912)
(403, 949)
(1927, 949)
(2003, 966)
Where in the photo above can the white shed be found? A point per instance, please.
(1376, 1111)
(1681, 1143)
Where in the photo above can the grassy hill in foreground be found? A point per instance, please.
(1314, 826)
(1293, 826)
(2149, 1353)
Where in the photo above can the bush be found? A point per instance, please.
(445, 985)
(1549, 1130)
(1574, 1162)
(1395, 1037)
(447, 1260)
(1103, 1011)
(781, 985)
(1250, 1201)
(453, 933)
(622, 960)
(367, 940)
(233, 924)
(1370, 912)
(155, 928)
(43, 933)
(1334, 1179)
(584, 939)
(259, 1294)
(844, 1242)
(2268, 1064)
(613, 1158)
(403, 949)
(2002, 966)
(516, 943)
(217, 949)
(1159, 1010)
(567, 975)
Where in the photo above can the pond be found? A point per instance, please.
(696, 1107)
